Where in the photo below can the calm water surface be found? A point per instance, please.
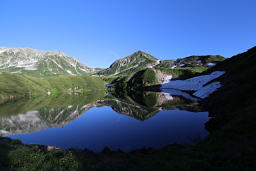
(94, 122)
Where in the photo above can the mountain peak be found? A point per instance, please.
(138, 59)
(141, 54)
(39, 63)
(30, 51)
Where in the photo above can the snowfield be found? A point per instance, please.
(211, 64)
(196, 84)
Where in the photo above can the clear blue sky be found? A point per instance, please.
(97, 32)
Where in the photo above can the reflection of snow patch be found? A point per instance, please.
(4, 132)
(168, 96)
(207, 90)
(179, 93)
(167, 79)
(31, 116)
(16, 72)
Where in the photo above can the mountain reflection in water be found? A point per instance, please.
(146, 119)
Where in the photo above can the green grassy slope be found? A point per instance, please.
(142, 78)
(18, 86)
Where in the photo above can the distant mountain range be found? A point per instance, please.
(141, 60)
(40, 63)
(54, 63)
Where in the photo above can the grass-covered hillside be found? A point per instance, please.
(143, 78)
(13, 86)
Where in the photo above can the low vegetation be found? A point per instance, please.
(14, 86)
(16, 156)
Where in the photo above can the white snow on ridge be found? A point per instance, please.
(70, 73)
(57, 63)
(83, 69)
(207, 90)
(211, 64)
(2, 50)
(192, 84)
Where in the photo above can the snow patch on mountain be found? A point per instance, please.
(29, 59)
(196, 84)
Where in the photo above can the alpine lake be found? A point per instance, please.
(99, 119)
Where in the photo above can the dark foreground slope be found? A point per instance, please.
(230, 146)
(238, 90)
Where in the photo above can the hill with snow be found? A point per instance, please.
(40, 63)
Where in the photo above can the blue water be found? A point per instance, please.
(102, 126)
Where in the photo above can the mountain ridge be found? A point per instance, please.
(137, 59)
(40, 63)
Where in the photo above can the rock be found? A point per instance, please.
(50, 148)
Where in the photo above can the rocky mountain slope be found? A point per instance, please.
(40, 63)
(141, 60)
(137, 60)
(206, 61)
